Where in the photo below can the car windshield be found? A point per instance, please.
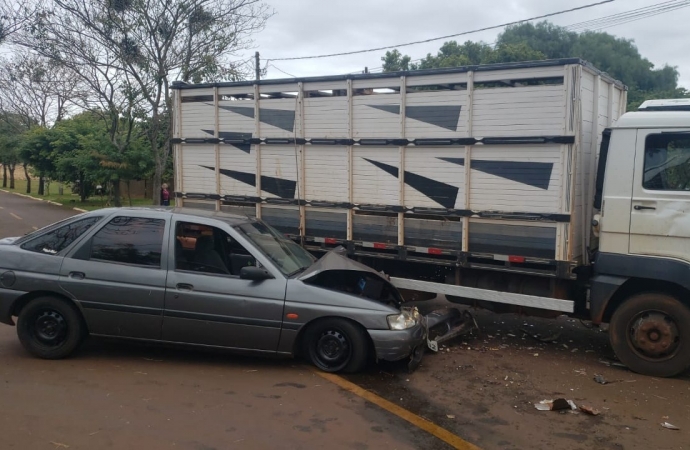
(290, 258)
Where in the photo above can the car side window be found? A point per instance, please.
(53, 242)
(207, 249)
(130, 240)
(667, 162)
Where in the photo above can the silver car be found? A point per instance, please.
(202, 278)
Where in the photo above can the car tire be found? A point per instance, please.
(650, 333)
(50, 328)
(336, 345)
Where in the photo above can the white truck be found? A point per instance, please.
(516, 187)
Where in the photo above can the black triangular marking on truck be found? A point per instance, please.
(393, 109)
(277, 186)
(442, 193)
(444, 116)
(280, 118)
(534, 174)
(234, 135)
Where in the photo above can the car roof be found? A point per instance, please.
(232, 219)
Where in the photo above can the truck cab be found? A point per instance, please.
(642, 268)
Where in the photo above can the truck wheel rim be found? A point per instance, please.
(654, 335)
(49, 328)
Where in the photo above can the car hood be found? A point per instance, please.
(336, 259)
(335, 271)
(8, 240)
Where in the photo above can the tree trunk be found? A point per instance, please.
(28, 179)
(11, 168)
(41, 185)
(157, 177)
(116, 194)
(4, 175)
(82, 188)
(129, 192)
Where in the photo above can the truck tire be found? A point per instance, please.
(650, 333)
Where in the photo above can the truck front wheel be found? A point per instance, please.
(650, 334)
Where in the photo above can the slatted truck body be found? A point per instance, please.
(474, 182)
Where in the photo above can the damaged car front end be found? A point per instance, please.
(405, 332)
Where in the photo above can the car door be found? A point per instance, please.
(207, 303)
(118, 275)
(660, 212)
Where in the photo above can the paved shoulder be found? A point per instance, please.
(20, 215)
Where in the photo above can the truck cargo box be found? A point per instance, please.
(482, 166)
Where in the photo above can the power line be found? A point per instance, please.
(280, 70)
(628, 16)
(354, 52)
(610, 20)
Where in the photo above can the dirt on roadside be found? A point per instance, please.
(484, 387)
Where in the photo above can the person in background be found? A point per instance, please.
(165, 195)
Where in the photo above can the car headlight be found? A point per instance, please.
(406, 319)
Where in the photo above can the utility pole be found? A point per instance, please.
(257, 66)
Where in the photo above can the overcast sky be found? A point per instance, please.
(313, 27)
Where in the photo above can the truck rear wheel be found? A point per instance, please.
(650, 334)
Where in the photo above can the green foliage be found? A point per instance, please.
(528, 42)
(79, 150)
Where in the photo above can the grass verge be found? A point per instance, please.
(71, 200)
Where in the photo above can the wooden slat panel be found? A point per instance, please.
(326, 174)
(198, 178)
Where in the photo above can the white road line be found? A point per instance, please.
(1, 207)
(15, 216)
(35, 228)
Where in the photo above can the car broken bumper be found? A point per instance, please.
(394, 345)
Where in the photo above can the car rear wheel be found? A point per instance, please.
(650, 334)
(50, 328)
(336, 345)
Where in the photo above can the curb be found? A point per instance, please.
(43, 200)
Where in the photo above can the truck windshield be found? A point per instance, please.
(286, 254)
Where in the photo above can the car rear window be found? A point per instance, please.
(53, 242)
(130, 240)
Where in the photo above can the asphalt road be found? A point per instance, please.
(131, 396)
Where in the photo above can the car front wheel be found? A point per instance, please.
(50, 328)
(336, 345)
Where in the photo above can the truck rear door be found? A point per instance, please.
(660, 209)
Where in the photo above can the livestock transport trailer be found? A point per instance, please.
(469, 171)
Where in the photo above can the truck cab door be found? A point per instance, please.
(660, 207)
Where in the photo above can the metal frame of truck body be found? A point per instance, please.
(374, 163)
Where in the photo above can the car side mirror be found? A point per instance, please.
(254, 273)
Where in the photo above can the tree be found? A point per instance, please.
(9, 143)
(37, 92)
(148, 43)
(36, 150)
(78, 150)
(394, 61)
(13, 16)
(618, 57)
(527, 42)
(452, 54)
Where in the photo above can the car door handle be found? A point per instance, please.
(641, 207)
(77, 275)
(184, 287)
